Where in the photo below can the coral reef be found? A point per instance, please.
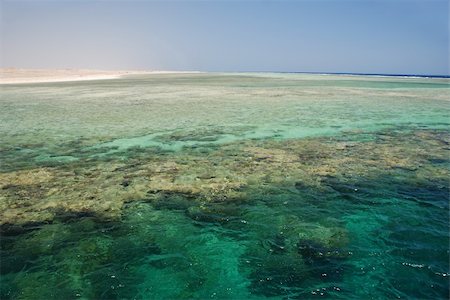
(226, 173)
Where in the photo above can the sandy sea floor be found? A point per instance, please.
(225, 186)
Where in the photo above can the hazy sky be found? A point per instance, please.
(379, 36)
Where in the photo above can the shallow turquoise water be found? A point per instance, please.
(225, 186)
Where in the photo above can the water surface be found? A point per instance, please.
(225, 186)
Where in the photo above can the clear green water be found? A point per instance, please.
(225, 186)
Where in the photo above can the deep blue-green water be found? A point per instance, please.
(225, 186)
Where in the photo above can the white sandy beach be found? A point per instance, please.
(15, 75)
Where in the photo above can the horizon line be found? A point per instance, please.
(247, 71)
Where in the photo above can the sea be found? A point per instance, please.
(226, 186)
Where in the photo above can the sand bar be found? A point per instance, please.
(15, 75)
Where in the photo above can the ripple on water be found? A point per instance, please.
(286, 187)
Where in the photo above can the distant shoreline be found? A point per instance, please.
(22, 76)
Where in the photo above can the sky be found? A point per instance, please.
(359, 36)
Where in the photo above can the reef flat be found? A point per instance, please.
(227, 186)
